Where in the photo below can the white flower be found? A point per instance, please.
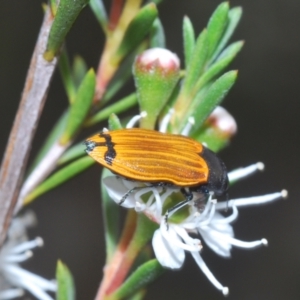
(171, 241)
(17, 249)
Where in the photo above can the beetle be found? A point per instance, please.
(161, 159)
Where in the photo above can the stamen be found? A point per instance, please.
(186, 130)
(244, 172)
(256, 200)
(230, 218)
(11, 294)
(132, 122)
(139, 207)
(21, 277)
(37, 242)
(202, 265)
(18, 258)
(195, 247)
(211, 202)
(168, 192)
(166, 120)
(205, 220)
(158, 203)
(138, 194)
(37, 291)
(187, 239)
(243, 244)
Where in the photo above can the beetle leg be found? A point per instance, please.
(188, 197)
(129, 192)
(160, 184)
(133, 190)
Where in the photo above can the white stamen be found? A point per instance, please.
(36, 291)
(187, 239)
(166, 120)
(139, 207)
(15, 250)
(158, 203)
(244, 172)
(208, 213)
(256, 200)
(230, 218)
(11, 294)
(192, 247)
(37, 242)
(186, 130)
(207, 220)
(239, 243)
(18, 257)
(132, 122)
(202, 265)
(20, 275)
(105, 129)
(284, 194)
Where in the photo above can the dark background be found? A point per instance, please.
(265, 104)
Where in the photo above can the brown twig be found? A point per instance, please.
(19, 143)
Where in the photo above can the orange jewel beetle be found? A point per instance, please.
(160, 159)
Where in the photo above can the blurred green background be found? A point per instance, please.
(265, 103)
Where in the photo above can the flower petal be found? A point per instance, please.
(215, 235)
(168, 254)
(116, 189)
(202, 265)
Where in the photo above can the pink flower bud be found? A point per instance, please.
(223, 121)
(156, 72)
(158, 58)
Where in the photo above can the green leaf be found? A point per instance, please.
(157, 36)
(67, 12)
(196, 63)
(212, 138)
(51, 139)
(154, 1)
(212, 97)
(137, 30)
(234, 17)
(53, 5)
(111, 219)
(73, 152)
(65, 283)
(60, 177)
(220, 64)
(114, 122)
(79, 70)
(124, 73)
(231, 51)
(99, 11)
(118, 107)
(216, 27)
(188, 40)
(66, 74)
(80, 107)
(139, 295)
(140, 278)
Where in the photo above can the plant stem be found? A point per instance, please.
(19, 143)
(112, 266)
